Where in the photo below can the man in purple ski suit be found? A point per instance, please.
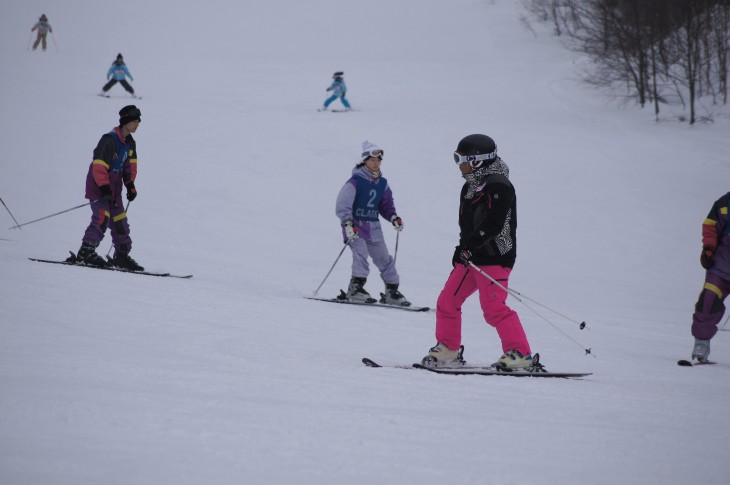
(362, 200)
(114, 166)
(715, 258)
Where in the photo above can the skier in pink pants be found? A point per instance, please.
(462, 283)
(488, 222)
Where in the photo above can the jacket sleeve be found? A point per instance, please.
(387, 204)
(129, 172)
(126, 71)
(345, 200)
(110, 72)
(103, 154)
(715, 222)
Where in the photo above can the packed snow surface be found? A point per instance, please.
(233, 377)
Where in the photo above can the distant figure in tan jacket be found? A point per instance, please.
(43, 28)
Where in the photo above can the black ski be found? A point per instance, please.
(372, 363)
(539, 371)
(109, 96)
(111, 268)
(373, 303)
(687, 363)
(492, 371)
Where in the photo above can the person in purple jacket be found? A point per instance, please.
(715, 258)
(113, 168)
(363, 199)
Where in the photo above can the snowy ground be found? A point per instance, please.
(232, 377)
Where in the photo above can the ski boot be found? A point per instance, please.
(701, 351)
(441, 356)
(392, 296)
(513, 359)
(124, 261)
(356, 291)
(87, 255)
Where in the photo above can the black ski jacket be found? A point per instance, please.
(488, 223)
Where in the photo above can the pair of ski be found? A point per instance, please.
(371, 302)
(537, 370)
(74, 261)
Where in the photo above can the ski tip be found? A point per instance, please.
(687, 363)
(370, 362)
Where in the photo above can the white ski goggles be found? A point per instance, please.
(372, 153)
(473, 159)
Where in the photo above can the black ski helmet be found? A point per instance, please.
(476, 149)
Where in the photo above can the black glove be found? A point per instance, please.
(465, 257)
(707, 258)
(131, 192)
(461, 256)
(106, 193)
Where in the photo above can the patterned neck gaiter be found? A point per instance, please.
(477, 177)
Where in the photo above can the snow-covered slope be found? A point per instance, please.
(233, 377)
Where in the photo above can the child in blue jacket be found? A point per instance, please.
(338, 89)
(118, 73)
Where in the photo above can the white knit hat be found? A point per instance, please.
(367, 150)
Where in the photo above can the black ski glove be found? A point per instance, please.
(707, 258)
(131, 192)
(106, 193)
(461, 256)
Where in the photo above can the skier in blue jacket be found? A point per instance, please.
(339, 89)
(118, 73)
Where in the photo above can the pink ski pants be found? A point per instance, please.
(462, 283)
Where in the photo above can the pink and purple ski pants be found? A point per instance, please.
(462, 283)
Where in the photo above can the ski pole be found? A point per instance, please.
(110, 247)
(53, 37)
(17, 226)
(519, 297)
(395, 254)
(29, 40)
(11, 214)
(333, 264)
